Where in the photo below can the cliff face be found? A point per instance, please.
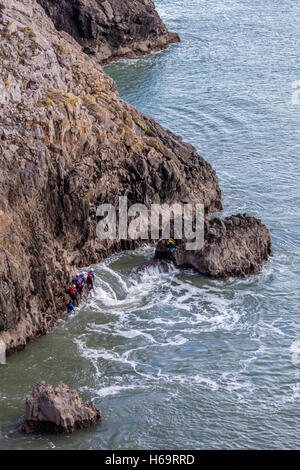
(67, 144)
(111, 29)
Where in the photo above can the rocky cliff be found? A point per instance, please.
(111, 29)
(68, 143)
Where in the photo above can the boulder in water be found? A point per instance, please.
(234, 246)
(82, 147)
(58, 409)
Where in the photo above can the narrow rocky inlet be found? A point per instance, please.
(68, 144)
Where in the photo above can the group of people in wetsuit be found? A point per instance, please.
(79, 281)
(75, 292)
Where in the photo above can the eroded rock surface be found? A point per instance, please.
(111, 29)
(234, 246)
(58, 409)
(68, 143)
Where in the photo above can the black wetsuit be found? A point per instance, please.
(74, 297)
(70, 307)
(79, 288)
(90, 282)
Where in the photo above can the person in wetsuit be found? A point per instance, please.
(79, 286)
(90, 280)
(73, 294)
(171, 244)
(70, 308)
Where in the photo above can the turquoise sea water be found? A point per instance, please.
(177, 360)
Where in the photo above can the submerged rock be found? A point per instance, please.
(235, 246)
(111, 29)
(58, 409)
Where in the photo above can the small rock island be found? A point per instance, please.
(58, 410)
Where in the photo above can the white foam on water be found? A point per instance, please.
(162, 310)
(246, 363)
(176, 341)
(198, 379)
(199, 299)
(88, 353)
(235, 381)
(107, 286)
(162, 321)
(189, 380)
(135, 290)
(116, 329)
(296, 391)
(295, 352)
(118, 277)
(115, 390)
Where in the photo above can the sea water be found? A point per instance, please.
(176, 360)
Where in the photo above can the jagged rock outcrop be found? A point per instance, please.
(234, 246)
(58, 409)
(111, 29)
(67, 144)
